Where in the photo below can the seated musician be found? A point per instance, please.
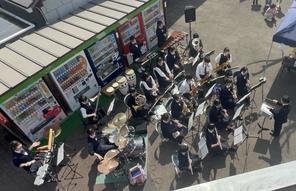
(187, 87)
(242, 81)
(134, 99)
(172, 129)
(204, 69)
(23, 158)
(173, 61)
(187, 160)
(215, 143)
(149, 87)
(98, 145)
(218, 116)
(88, 108)
(161, 33)
(223, 58)
(179, 109)
(228, 96)
(195, 46)
(163, 74)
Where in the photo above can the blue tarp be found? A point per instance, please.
(286, 32)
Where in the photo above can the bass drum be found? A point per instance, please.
(135, 147)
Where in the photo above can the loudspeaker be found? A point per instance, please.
(189, 14)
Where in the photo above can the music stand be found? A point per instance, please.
(202, 147)
(209, 92)
(265, 112)
(243, 98)
(254, 88)
(200, 110)
(111, 106)
(238, 112)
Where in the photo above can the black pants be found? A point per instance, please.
(277, 128)
(255, 2)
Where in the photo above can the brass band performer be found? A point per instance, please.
(204, 69)
(163, 74)
(149, 87)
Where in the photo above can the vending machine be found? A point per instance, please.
(33, 109)
(150, 16)
(132, 27)
(105, 59)
(75, 78)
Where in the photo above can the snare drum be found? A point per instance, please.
(123, 85)
(131, 77)
(135, 147)
(110, 91)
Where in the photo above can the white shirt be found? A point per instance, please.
(145, 85)
(161, 73)
(218, 57)
(184, 87)
(200, 69)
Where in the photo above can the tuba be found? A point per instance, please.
(140, 101)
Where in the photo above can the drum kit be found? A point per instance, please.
(123, 136)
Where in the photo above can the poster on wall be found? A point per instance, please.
(150, 16)
(33, 110)
(133, 27)
(75, 78)
(105, 59)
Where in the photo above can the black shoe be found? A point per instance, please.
(272, 134)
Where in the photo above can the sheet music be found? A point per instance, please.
(190, 121)
(264, 110)
(160, 110)
(200, 109)
(243, 98)
(238, 135)
(111, 106)
(60, 155)
(210, 91)
(202, 146)
(238, 111)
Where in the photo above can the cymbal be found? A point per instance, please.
(111, 154)
(119, 119)
(121, 142)
(108, 166)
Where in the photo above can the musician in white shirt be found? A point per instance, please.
(223, 57)
(149, 87)
(163, 73)
(204, 68)
(186, 85)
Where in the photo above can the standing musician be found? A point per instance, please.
(215, 143)
(228, 96)
(136, 103)
(161, 33)
(280, 114)
(163, 74)
(223, 58)
(195, 46)
(135, 48)
(149, 87)
(179, 109)
(204, 69)
(98, 145)
(172, 129)
(173, 61)
(218, 116)
(88, 110)
(242, 82)
(23, 158)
